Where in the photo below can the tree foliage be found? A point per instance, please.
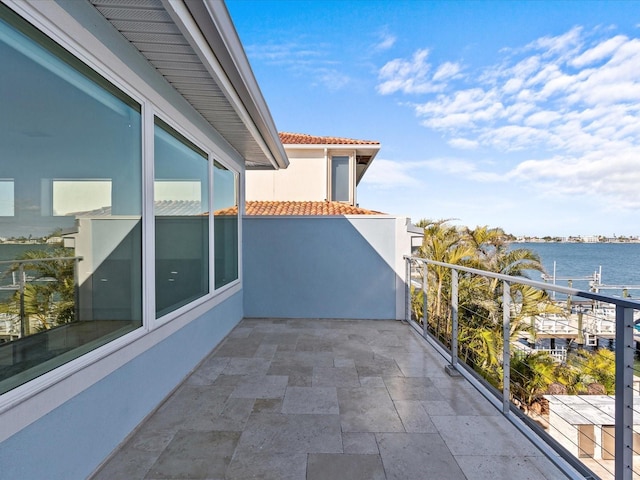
(480, 311)
(49, 295)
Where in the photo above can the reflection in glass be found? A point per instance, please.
(6, 198)
(182, 220)
(71, 196)
(70, 251)
(225, 205)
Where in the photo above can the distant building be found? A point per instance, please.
(320, 169)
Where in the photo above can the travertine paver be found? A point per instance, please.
(313, 399)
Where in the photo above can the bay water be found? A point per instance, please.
(620, 263)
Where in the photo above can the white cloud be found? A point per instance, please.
(461, 168)
(542, 118)
(386, 41)
(332, 79)
(558, 45)
(569, 102)
(387, 174)
(599, 52)
(406, 76)
(463, 143)
(447, 70)
(464, 108)
(412, 76)
(313, 61)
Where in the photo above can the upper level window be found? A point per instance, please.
(70, 269)
(341, 178)
(181, 206)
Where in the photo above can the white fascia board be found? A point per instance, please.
(229, 36)
(218, 19)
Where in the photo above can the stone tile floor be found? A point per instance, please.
(326, 399)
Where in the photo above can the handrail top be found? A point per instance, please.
(622, 302)
(34, 260)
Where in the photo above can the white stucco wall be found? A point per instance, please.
(325, 267)
(304, 180)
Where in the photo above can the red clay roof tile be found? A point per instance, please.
(303, 139)
(273, 208)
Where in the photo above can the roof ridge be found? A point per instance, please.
(291, 138)
(298, 208)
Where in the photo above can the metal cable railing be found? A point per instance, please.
(516, 352)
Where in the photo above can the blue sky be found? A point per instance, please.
(522, 115)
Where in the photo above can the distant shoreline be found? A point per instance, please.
(574, 240)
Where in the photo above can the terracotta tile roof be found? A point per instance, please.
(269, 208)
(304, 139)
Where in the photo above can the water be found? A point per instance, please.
(620, 263)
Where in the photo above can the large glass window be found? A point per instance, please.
(70, 215)
(181, 192)
(340, 185)
(225, 205)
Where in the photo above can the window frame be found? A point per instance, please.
(89, 50)
(191, 142)
(352, 172)
(240, 213)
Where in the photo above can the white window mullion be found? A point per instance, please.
(148, 220)
(212, 263)
(240, 179)
(352, 178)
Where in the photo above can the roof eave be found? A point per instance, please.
(366, 166)
(214, 21)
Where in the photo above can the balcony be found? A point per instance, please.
(326, 399)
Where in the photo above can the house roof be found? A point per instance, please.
(366, 150)
(274, 208)
(252, 208)
(305, 139)
(195, 47)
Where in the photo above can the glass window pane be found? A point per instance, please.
(70, 257)
(6, 198)
(225, 205)
(340, 179)
(182, 220)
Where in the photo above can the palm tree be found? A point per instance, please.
(50, 296)
(480, 298)
(442, 243)
(531, 376)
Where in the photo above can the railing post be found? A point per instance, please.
(506, 350)
(454, 319)
(407, 290)
(76, 289)
(452, 368)
(425, 301)
(24, 330)
(624, 394)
